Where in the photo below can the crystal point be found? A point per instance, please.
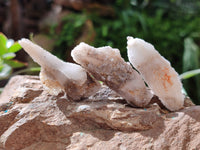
(58, 75)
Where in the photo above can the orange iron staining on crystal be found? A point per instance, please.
(157, 72)
(167, 79)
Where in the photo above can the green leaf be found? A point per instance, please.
(14, 63)
(184, 91)
(1, 67)
(3, 38)
(105, 30)
(190, 55)
(189, 74)
(14, 48)
(5, 72)
(3, 41)
(142, 22)
(9, 43)
(8, 56)
(191, 62)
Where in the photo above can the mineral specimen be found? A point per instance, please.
(157, 72)
(107, 65)
(58, 75)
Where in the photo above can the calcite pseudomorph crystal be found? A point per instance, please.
(107, 65)
(58, 75)
(157, 72)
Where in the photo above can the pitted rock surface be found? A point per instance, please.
(30, 119)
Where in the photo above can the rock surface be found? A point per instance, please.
(31, 119)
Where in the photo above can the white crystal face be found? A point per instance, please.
(157, 72)
(145, 50)
(74, 72)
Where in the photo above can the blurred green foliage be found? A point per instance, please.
(191, 60)
(8, 48)
(153, 22)
(8, 64)
(170, 25)
(68, 34)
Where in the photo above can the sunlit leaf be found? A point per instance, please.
(3, 41)
(9, 43)
(189, 74)
(15, 63)
(8, 56)
(15, 47)
(3, 38)
(5, 72)
(100, 82)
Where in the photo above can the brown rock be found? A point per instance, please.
(99, 7)
(20, 89)
(32, 119)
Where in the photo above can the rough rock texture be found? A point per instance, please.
(31, 119)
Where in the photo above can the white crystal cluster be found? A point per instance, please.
(58, 75)
(106, 64)
(157, 72)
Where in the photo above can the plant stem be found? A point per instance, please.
(33, 69)
(189, 74)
